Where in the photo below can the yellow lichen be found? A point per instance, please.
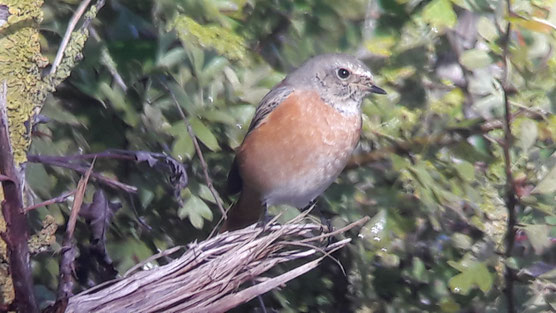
(47, 236)
(20, 66)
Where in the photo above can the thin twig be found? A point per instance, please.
(17, 233)
(511, 200)
(59, 199)
(80, 169)
(204, 165)
(65, 283)
(107, 60)
(71, 26)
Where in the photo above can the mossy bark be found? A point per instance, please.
(20, 67)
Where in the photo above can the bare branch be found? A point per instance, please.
(445, 139)
(107, 60)
(65, 283)
(59, 199)
(80, 169)
(511, 200)
(177, 172)
(5, 178)
(71, 26)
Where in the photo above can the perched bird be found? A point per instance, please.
(303, 133)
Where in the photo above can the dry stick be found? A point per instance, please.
(61, 198)
(16, 234)
(68, 248)
(204, 165)
(67, 36)
(101, 178)
(231, 301)
(511, 200)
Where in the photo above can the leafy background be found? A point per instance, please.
(429, 168)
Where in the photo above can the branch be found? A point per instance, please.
(215, 275)
(107, 60)
(204, 165)
(73, 22)
(80, 169)
(177, 172)
(65, 283)
(16, 234)
(511, 200)
(59, 199)
(445, 139)
(71, 47)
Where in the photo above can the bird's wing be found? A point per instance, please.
(269, 102)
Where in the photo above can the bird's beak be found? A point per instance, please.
(376, 89)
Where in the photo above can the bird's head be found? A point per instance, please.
(341, 80)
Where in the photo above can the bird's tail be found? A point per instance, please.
(244, 212)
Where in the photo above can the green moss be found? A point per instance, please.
(224, 41)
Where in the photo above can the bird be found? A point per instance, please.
(300, 138)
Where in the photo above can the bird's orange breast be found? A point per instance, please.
(298, 150)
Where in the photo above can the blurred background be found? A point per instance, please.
(429, 169)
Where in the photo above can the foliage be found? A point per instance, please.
(436, 240)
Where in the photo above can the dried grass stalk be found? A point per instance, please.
(217, 274)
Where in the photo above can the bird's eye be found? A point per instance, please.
(343, 73)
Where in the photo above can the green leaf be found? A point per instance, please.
(183, 148)
(145, 196)
(461, 241)
(204, 192)
(218, 116)
(538, 236)
(204, 134)
(466, 170)
(172, 57)
(547, 184)
(182, 97)
(476, 275)
(215, 66)
(117, 99)
(474, 58)
(482, 277)
(534, 24)
(418, 270)
(196, 210)
(448, 305)
(487, 29)
(374, 231)
(461, 283)
(528, 134)
(439, 13)
(38, 179)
